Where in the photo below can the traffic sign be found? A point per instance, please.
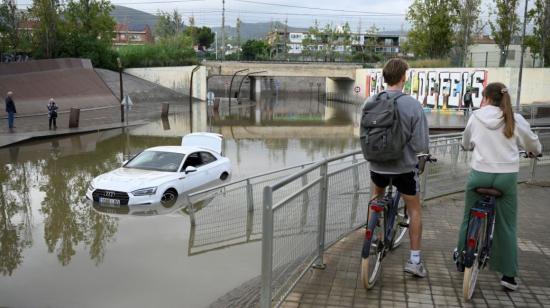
(357, 89)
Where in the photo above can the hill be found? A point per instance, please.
(133, 17)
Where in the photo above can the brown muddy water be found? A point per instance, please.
(57, 250)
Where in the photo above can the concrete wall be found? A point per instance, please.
(285, 84)
(281, 69)
(176, 78)
(453, 82)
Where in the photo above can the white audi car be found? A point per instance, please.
(161, 174)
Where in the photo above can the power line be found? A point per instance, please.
(318, 9)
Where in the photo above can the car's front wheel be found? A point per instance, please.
(169, 198)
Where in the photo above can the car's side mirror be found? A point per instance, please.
(190, 169)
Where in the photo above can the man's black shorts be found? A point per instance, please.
(406, 183)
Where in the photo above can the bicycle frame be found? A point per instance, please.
(388, 205)
(480, 232)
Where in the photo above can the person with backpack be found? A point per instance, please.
(393, 131)
(52, 114)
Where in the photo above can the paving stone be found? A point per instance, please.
(443, 286)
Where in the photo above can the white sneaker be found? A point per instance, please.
(416, 269)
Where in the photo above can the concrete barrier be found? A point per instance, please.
(176, 78)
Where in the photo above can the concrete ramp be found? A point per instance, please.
(71, 82)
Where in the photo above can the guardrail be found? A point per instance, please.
(304, 209)
(317, 212)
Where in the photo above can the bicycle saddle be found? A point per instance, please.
(489, 191)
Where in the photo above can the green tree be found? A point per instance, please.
(87, 29)
(467, 20)
(328, 39)
(255, 50)
(202, 37)
(310, 42)
(505, 26)
(539, 43)
(346, 38)
(13, 39)
(168, 24)
(47, 35)
(432, 22)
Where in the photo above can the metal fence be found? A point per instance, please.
(304, 209)
(299, 228)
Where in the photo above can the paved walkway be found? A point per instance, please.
(36, 126)
(339, 285)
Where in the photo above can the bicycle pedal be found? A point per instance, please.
(403, 224)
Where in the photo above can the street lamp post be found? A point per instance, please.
(522, 54)
(121, 89)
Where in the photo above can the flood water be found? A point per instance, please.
(57, 250)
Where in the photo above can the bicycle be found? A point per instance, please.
(479, 236)
(385, 229)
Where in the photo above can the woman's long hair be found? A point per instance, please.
(498, 96)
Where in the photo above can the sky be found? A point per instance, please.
(385, 14)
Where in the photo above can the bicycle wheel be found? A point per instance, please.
(470, 279)
(476, 235)
(371, 261)
(401, 222)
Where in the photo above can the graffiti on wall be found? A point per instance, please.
(436, 87)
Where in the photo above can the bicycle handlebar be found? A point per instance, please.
(526, 154)
(422, 159)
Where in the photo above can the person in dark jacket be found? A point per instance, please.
(10, 109)
(52, 114)
(468, 102)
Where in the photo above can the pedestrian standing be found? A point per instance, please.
(467, 102)
(52, 114)
(10, 109)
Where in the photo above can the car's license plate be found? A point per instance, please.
(109, 201)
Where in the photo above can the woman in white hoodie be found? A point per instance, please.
(495, 134)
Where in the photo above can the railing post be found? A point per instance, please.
(319, 264)
(355, 174)
(267, 248)
(305, 203)
(424, 181)
(249, 196)
(455, 153)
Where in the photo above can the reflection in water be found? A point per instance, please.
(43, 215)
(15, 216)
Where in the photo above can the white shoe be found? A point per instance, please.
(416, 269)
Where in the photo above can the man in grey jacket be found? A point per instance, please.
(404, 173)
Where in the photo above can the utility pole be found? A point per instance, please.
(522, 53)
(216, 43)
(238, 38)
(286, 37)
(223, 30)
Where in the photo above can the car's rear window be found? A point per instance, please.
(156, 160)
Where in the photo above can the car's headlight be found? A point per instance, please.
(91, 187)
(145, 191)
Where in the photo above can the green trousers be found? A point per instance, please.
(504, 256)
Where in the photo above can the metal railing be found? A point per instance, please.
(317, 212)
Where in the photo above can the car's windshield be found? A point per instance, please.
(156, 160)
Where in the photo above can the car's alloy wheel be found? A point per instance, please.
(169, 197)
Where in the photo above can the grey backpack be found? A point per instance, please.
(382, 137)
